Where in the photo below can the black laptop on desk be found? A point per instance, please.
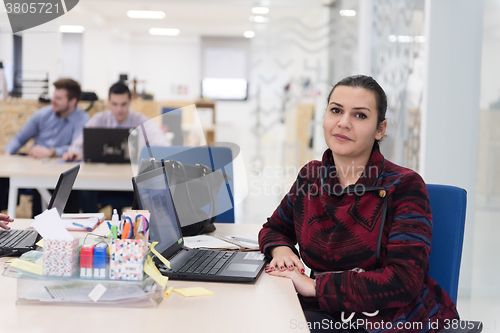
(106, 145)
(153, 194)
(15, 242)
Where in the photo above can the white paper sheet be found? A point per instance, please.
(50, 226)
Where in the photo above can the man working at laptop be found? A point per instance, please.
(119, 116)
(53, 127)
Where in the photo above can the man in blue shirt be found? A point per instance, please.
(53, 127)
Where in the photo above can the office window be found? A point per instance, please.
(225, 63)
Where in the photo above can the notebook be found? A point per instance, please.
(106, 145)
(15, 242)
(153, 193)
(82, 222)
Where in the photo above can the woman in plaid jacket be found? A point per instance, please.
(363, 225)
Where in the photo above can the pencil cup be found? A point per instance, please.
(127, 259)
(60, 258)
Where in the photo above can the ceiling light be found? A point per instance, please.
(260, 10)
(405, 39)
(146, 14)
(347, 12)
(164, 32)
(74, 29)
(419, 39)
(249, 34)
(259, 19)
(393, 38)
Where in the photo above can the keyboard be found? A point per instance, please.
(10, 239)
(206, 262)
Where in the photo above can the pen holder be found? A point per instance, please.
(60, 258)
(127, 259)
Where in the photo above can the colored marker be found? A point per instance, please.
(82, 226)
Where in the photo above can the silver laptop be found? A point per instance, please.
(153, 193)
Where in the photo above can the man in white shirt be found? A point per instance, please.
(119, 116)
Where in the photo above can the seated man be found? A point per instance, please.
(119, 116)
(53, 127)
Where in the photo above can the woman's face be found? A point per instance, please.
(350, 123)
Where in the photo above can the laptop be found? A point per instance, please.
(15, 242)
(106, 145)
(153, 193)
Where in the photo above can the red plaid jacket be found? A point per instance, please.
(338, 230)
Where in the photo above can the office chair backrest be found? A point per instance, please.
(217, 158)
(448, 205)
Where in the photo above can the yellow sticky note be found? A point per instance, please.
(191, 292)
(27, 266)
(151, 270)
(40, 243)
(158, 254)
(168, 291)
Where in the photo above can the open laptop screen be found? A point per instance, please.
(153, 194)
(63, 189)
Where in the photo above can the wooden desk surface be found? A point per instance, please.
(25, 166)
(268, 305)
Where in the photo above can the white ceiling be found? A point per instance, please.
(192, 17)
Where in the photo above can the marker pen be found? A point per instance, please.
(86, 257)
(100, 261)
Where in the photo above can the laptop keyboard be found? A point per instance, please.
(10, 239)
(206, 262)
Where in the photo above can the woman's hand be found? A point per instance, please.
(4, 220)
(303, 284)
(284, 258)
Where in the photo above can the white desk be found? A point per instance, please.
(269, 305)
(27, 172)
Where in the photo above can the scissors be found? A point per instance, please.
(126, 228)
(141, 226)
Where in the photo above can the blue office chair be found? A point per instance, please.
(217, 158)
(448, 206)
